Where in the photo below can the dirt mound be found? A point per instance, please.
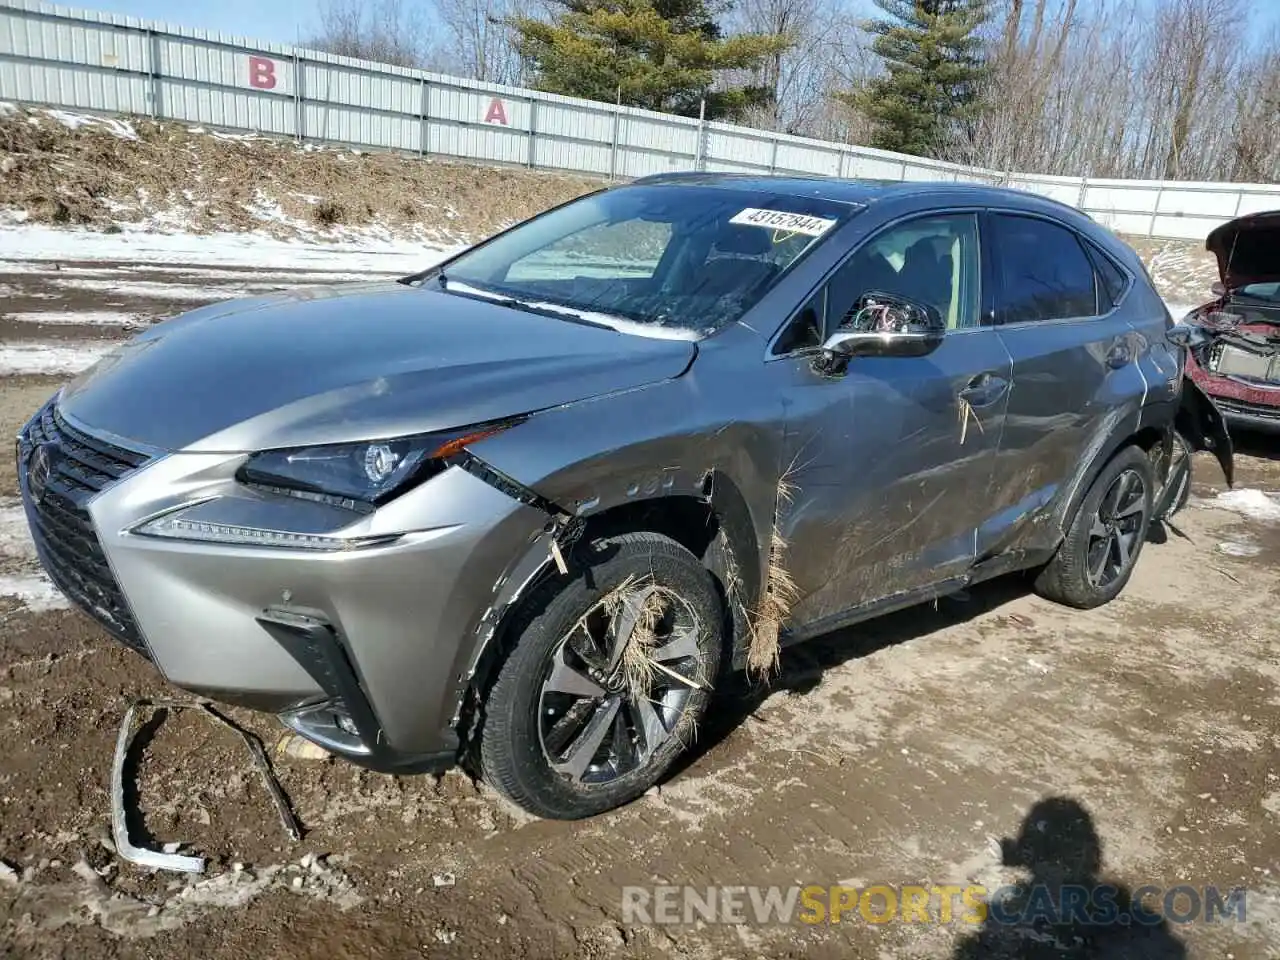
(63, 168)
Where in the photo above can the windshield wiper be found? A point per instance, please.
(541, 309)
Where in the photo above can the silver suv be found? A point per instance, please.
(524, 510)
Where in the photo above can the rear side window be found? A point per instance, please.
(1044, 272)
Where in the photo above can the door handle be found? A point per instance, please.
(984, 389)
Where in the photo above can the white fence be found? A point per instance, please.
(116, 64)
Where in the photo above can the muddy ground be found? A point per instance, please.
(896, 753)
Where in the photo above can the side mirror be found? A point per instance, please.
(1218, 288)
(883, 325)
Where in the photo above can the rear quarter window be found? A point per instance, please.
(1113, 282)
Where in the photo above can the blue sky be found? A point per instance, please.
(283, 21)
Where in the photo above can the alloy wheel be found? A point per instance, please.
(1117, 526)
(1173, 477)
(618, 683)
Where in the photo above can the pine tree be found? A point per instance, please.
(933, 60)
(658, 54)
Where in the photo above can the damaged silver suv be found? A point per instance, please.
(524, 510)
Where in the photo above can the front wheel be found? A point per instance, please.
(609, 674)
(1097, 556)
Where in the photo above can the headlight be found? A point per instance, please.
(369, 472)
(335, 484)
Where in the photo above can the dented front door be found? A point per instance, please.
(888, 465)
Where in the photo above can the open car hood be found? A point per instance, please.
(1248, 249)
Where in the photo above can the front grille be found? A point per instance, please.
(79, 467)
(1228, 405)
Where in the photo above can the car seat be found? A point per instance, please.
(926, 276)
(736, 262)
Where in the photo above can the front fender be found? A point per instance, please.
(682, 438)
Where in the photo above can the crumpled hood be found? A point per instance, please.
(1248, 249)
(343, 364)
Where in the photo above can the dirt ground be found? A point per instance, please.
(63, 168)
(899, 752)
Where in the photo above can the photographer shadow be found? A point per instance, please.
(1064, 910)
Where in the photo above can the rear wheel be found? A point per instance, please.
(609, 675)
(1171, 495)
(1097, 556)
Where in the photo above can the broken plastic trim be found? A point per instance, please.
(155, 859)
(567, 528)
(469, 462)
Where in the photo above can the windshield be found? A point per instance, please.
(1269, 292)
(685, 258)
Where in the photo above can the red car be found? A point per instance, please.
(1235, 353)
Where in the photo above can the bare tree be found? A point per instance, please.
(827, 53)
(1253, 147)
(482, 46)
(1181, 89)
(381, 30)
(1109, 88)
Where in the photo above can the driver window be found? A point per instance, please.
(933, 260)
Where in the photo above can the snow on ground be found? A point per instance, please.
(159, 290)
(34, 591)
(29, 358)
(1249, 503)
(364, 251)
(73, 121)
(93, 318)
(15, 542)
(1182, 272)
(28, 585)
(1239, 548)
(258, 276)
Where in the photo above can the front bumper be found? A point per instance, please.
(407, 616)
(1249, 405)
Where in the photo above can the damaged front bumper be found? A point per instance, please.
(367, 650)
(1240, 369)
(1252, 405)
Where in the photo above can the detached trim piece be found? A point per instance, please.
(142, 856)
(155, 859)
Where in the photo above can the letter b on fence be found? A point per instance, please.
(262, 73)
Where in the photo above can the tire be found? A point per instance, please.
(541, 712)
(1173, 496)
(1072, 576)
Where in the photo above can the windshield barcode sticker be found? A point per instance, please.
(781, 220)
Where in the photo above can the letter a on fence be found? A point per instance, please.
(496, 113)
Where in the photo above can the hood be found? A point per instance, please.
(1248, 249)
(343, 364)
